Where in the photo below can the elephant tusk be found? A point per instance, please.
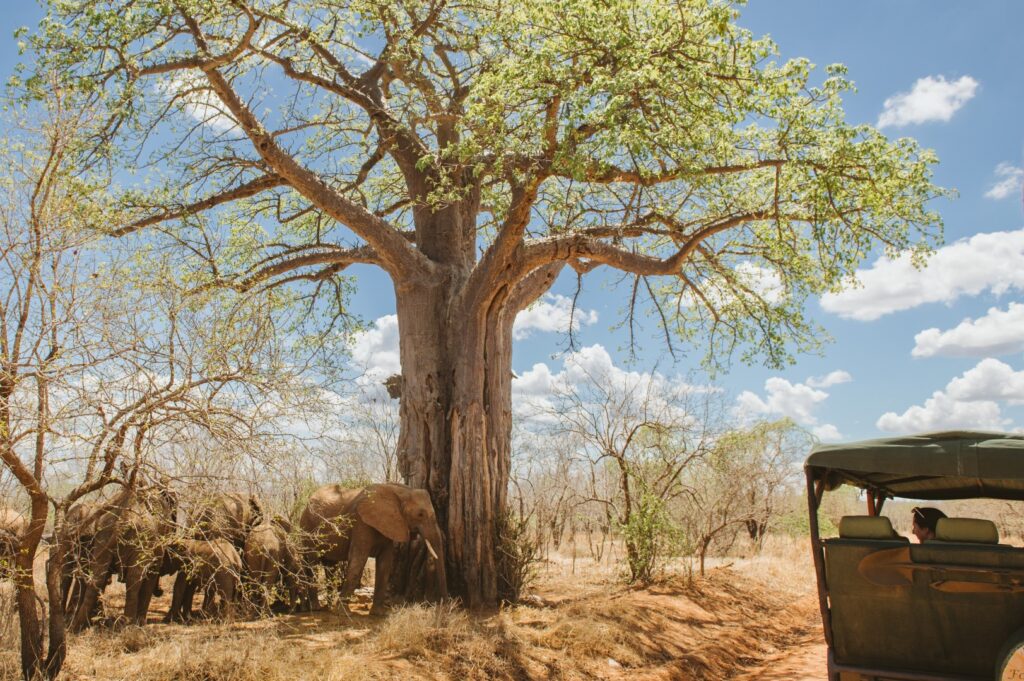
(430, 549)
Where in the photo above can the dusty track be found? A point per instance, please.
(803, 660)
(725, 627)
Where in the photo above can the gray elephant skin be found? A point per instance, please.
(81, 524)
(13, 526)
(226, 515)
(350, 525)
(210, 566)
(271, 564)
(128, 533)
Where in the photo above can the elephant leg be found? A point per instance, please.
(133, 576)
(227, 585)
(101, 565)
(177, 598)
(359, 550)
(210, 607)
(146, 591)
(187, 598)
(385, 561)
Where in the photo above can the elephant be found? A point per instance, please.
(340, 524)
(227, 515)
(212, 566)
(130, 533)
(271, 562)
(13, 526)
(80, 522)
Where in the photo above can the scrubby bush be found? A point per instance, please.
(650, 536)
(518, 555)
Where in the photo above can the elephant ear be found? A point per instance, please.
(381, 509)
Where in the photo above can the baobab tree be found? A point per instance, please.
(472, 151)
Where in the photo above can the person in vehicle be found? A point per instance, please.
(925, 520)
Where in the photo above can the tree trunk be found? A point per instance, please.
(456, 418)
(33, 663)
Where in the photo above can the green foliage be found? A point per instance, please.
(652, 125)
(651, 536)
(518, 549)
(795, 523)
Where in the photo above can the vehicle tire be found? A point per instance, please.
(1010, 662)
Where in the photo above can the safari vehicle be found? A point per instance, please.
(950, 608)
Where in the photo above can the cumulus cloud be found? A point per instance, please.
(766, 282)
(375, 349)
(932, 98)
(832, 378)
(551, 313)
(1010, 182)
(971, 400)
(989, 380)
(534, 392)
(827, 433)
(798, 401)
(999, 332)
(991, 261)
(198, 101)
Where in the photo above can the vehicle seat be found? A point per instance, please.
(867, 527)
(967, 530)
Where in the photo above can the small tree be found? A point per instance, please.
(641, 433)
(738, 483)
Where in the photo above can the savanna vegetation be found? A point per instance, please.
(192, 189)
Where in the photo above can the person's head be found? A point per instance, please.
(925, 520)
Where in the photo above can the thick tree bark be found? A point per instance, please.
(456, 415)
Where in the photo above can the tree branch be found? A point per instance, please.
(242, 191)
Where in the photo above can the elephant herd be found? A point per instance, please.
(229, 549)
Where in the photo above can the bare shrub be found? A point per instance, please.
(518, 555)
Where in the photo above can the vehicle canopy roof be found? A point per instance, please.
(946, 465)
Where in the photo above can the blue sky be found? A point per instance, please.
(912, 350)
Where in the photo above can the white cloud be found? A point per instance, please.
(766, 282)
(940, 412)
(537, 382)
(933, 98)
(989, 380)
(1011, 182)
(534, 392)
(992, 261)
(375, 350)
(832, 378)
(827, 433)
(198, 101)
(797, 401)
(999, 332)
(971, 400)
(551, 313)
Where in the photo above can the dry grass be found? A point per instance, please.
(584, 626)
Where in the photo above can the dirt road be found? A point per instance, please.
(803, 660)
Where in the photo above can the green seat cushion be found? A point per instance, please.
(866, 527)
(968, 530)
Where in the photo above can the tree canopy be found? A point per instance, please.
(657, 138)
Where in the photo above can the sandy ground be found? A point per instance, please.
(750, 619)
(804, 660)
